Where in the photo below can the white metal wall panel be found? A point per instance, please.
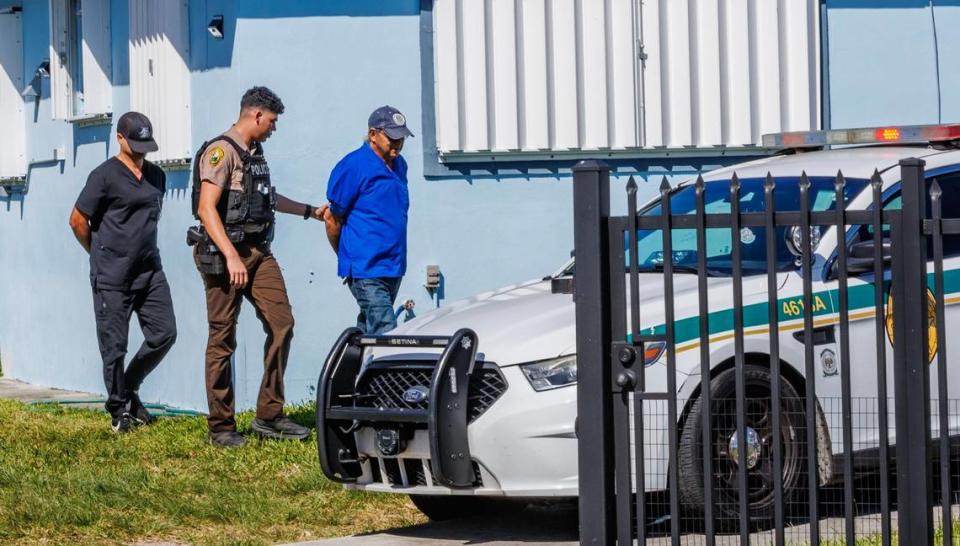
(535, 75)
(446, 52)
(13, 161)
(562, 21)
(651, 83)
(767, 80)
(61, 81)
(474, 70)
(593, 75)
(502, 80)
(675, 39)
(532, 75)
(97, 64)
(159, 74)
(706, 107)
(726, 71)
(622, 76)
(735, 72)
(802, 81)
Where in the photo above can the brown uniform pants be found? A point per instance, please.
(267, 292)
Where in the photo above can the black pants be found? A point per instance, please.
(154, 310)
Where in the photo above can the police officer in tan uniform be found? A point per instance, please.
(235, 201)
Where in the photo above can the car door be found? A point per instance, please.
(863, 323)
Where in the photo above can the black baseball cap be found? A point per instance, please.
(137, 129)
(390, 121)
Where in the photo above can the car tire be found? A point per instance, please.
(759, 418)
(447, 507)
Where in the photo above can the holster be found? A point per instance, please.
(208, 258)
(211, 264)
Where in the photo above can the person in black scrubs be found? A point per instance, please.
(115, 220)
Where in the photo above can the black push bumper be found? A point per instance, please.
(339, 415)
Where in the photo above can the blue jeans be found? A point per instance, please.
(375, 298)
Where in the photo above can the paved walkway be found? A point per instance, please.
(11, 389)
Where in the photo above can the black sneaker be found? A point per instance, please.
(138, 412)
(281, 428)
(122, 424)
(227, 438)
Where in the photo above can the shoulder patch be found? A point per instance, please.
(216, 156)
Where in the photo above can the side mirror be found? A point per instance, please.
(793, 237)
(561, 285)
(860, 256)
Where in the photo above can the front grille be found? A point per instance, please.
(383, 387)
(414, 470)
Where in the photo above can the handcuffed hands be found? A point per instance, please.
(321, 211)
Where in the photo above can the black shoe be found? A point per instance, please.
(227, 438)
(138, 412)
(122, 424)
(281, 428)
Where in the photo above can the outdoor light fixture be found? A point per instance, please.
(215, 27)
(32, 90)
(43, 69)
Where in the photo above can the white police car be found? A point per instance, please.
(383, 424)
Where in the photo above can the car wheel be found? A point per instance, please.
(723, 443)
(447, 507)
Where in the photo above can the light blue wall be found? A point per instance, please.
(332, 62)
(893, 62)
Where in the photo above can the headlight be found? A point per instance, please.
(560, 372)
(551, 374)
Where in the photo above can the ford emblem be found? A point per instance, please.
(415, 395)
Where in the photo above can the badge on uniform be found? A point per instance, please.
(216, 156)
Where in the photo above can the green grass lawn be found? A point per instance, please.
(66, 478)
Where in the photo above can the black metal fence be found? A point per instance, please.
(815, 424)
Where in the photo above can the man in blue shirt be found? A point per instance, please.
(367, 219)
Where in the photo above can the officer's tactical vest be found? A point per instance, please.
(251, 210)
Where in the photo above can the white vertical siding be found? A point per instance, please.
(723, 72)
(97, 64)
(530, 75)
(533, 75)
(562, 64)
(13, 161)
(159, 73)
(502, 80)
(622, 74)
(534, 91)
(706, 107)
(651, 84)
(61, 82)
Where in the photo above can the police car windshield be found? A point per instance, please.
(719, 240)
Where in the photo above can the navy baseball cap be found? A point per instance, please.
(391, 121)
(137, 129)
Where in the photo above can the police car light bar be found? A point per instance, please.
(902, 134)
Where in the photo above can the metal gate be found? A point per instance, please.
(661, 452)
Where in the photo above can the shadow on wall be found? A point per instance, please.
(327, 8)
(83, 136)
(8, 201)
(178, 182)
(210, 52)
